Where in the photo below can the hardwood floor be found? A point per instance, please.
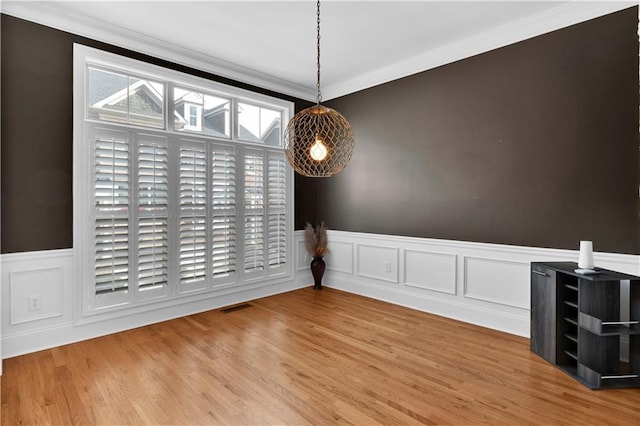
(305, 357)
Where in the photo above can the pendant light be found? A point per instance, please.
(318, 140)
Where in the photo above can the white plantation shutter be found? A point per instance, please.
(277, 206)
(193, 249)
(253, 242)
(223, 245)
(111, 223)
(111, 255)
(152, 176)
(193, 178)
(254, 211)
(277, 233)
(153, 229)
(223, 216)
(112, 172)
(193, 213)
(153, 252)
(161, 209)
(223, 181)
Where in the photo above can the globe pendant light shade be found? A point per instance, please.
(318, 142)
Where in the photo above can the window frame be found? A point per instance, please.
(87, 302)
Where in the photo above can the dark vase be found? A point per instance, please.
(317, 270)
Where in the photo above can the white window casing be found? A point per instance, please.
(159, 213)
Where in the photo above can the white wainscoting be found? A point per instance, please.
(49, 275)
(479, 283)
(483, 284)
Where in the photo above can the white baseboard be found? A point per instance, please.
(45, 337)
(479, 315)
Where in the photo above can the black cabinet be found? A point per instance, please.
(587, 325)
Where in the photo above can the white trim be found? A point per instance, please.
(567, 14)
(27, 337)
(630, 263)
(18, 339)
(54, 16)
(36, 256)
(479, 315)
(482, 307)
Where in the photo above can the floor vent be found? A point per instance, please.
(235, 308)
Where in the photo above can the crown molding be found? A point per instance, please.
(553, 19)
(570, 13)
(53, 14)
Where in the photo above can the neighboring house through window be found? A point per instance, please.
(193, 114)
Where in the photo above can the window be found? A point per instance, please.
(122, 98)
(169, 204)
(259, 124)
(192, 112)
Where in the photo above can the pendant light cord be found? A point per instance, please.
(319, 97)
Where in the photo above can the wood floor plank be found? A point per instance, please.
(304, 358)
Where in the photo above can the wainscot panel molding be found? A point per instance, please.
(377, 262)
(340, 257)
(27, 294)
(50, 275)
(504, 274)
(430, 271)
(479, 283)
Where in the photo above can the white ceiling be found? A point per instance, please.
(272, 43)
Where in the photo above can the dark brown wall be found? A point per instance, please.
(37, 132)
(533, 144)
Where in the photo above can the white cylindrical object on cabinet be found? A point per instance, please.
(585, 261)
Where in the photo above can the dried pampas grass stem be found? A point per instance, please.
(316, 239)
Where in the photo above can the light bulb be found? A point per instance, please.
(318, 150)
